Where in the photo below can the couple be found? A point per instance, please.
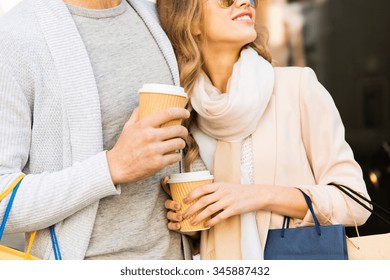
(69, 75)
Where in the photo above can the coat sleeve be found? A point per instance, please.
(49, 197)
(330, 156)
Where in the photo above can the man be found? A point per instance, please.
(69, 75)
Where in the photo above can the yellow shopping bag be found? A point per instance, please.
(7, 253)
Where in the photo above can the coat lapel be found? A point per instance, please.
(264, 151)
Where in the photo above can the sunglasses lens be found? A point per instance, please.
(254, 3)
(228, 3)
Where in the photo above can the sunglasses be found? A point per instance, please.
(228, 3)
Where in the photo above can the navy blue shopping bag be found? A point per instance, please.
(306, 243)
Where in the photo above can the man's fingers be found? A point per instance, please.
(164, 184)
(174, 217)
(171, 145)
(174, 131)
(134, 117)
(174, 226)
(170, 159)
(172, 205)
(159, 118)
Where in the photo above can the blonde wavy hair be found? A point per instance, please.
(180, 19)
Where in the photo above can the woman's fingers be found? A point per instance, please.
(200, 191)
(209, 211)
(203, 202)
(216, 201)
(222, 215)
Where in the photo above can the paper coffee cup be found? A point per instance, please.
(181, 185)
(156, 97)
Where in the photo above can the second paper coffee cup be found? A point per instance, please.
(181, 184)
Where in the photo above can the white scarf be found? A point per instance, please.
(231, 117)
(234, 115)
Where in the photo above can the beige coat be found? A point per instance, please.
(301, 140)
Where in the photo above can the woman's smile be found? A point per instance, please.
(243, 16)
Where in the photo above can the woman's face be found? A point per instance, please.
(233, 26)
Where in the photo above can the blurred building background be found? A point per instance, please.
(347, 43)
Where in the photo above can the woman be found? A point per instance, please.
(264, 132)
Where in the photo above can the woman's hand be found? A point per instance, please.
(222, 200)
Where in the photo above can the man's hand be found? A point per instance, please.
(144, 148)
(174, 219)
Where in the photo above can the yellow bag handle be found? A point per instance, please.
(11, 187)
(4, 194)
(30, 243)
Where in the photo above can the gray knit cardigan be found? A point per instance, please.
(47, 83)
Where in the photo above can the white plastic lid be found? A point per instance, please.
(163, 88)
(190, 177)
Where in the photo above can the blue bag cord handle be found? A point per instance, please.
(56, 247)
(54, 242)
(286, 220)
(309, 204)
(8, 209)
